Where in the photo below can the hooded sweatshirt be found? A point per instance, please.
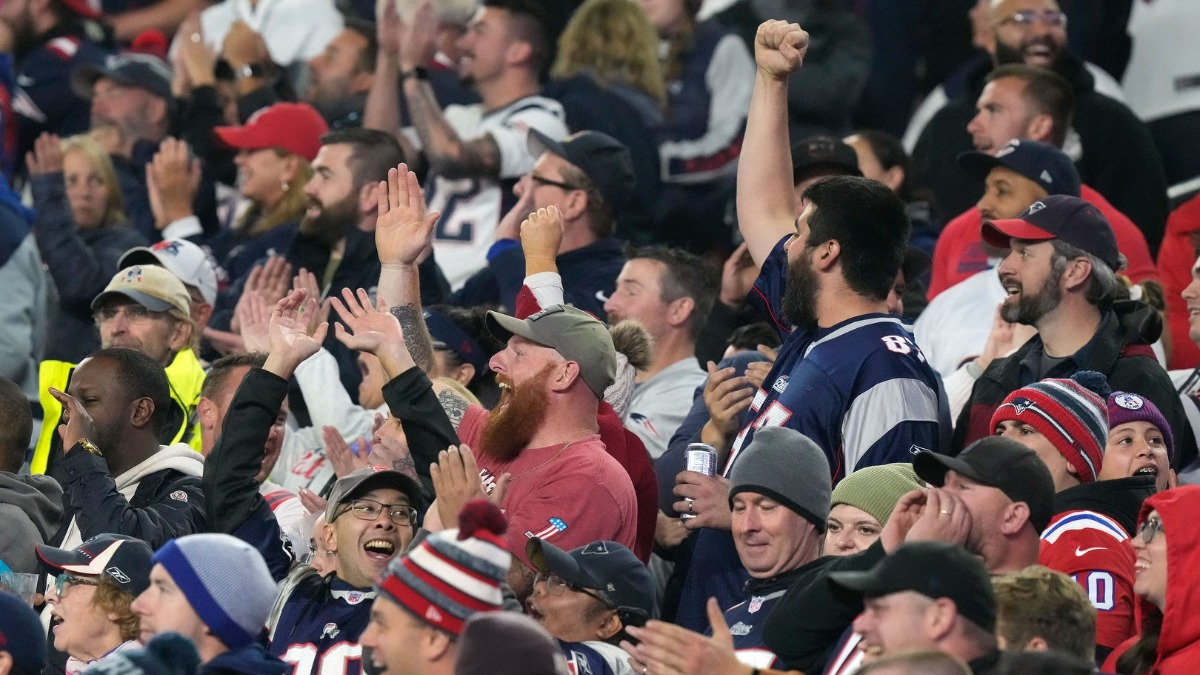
(30, 508)
(1179, 641)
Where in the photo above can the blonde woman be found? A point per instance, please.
(80, 231)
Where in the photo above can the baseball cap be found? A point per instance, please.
(1001, 463)
(1041, 163)
(132, 69)
(824, 152)
(607, 567)
(447, 334)
(294, 127)
(124, 560)
(88, 9)
(934, 569)
(150, 286)
(367, 479)
(605, 160)
(182, 258)
(574, 333)
(1064, 217)
(21, 634)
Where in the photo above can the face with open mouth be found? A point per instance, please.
(1150, 565)
(1029, 32)
(365, 546)
(894, 623)
(1136, 449)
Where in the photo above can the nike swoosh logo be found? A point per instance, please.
(601, 296)
(1081, 551)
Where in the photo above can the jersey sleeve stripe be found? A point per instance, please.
(1084, 520)
(879, 409)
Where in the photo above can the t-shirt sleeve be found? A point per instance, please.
(569, 512)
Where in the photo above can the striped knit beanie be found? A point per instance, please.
(453, 574)
(225, 580)
(1125, 407)
(1072, 414)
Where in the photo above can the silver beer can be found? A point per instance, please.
(701, 458)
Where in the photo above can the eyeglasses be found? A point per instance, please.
(369, 510)
(132, 311)
(546, 181)
(64, 580)
(555, 585)
(1028, 17)
(1150, 528)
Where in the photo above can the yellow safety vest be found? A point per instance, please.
(185, 376)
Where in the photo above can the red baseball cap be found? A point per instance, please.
(294, 127)
(1064, 217)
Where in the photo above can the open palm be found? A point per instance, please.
(288, 329)
(403, 229)
(364, 327)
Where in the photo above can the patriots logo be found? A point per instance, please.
(1035, 207)
(1020, 405)
(179, 496)
(641, 419)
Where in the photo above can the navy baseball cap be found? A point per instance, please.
(823, 152)
(1043, 164)
(934, 569)
(124, 560)
(603, 159)
(1070, 219)
(446, 334)
(606, 567)
(21, 634)
(132, 69)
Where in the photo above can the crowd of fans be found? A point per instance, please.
(379, 336)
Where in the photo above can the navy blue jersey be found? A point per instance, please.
(860, 389)
(584, 659)
(746, 620)
(319, 624)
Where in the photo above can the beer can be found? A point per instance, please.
(701, 458)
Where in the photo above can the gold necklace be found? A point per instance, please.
(561, 451)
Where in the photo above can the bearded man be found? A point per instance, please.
(1060, 277)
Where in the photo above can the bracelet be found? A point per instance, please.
(418, 73)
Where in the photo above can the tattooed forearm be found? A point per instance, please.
(447, 154)
(416, 335)
(406, 466)
(454, 405)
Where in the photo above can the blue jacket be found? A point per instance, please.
(249, 660)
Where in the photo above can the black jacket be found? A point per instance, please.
(1120, 499)
(1119, 158)
(1120, 350)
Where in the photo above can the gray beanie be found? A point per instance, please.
(786, 466)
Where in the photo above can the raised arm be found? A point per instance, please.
(403, 237)
(765, 202)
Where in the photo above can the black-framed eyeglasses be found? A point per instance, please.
(1151, 527)
(546, 181)
(65, 580)
(1028, 17)
(369, 510)
(555, 585)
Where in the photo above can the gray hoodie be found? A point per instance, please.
(30, 508)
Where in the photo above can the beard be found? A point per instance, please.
(800, 293)
(516, 417)
(1029, 309)
(331, 223)
(1006, 54)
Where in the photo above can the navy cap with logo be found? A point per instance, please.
(932, 568)
(1063, 217)
(1041, 163)
(124, 560)
(603, 159)
(1001, 463)
(823, 152)
(131, 69)
(606, 567)
(448, 335)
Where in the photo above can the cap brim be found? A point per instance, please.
(864, 583)
(64, 559)
(998, 233)
(539, 143)
(239, 138)
(931, 467)
(389, 479)
(502, 326)
(139, 255)
(148, 301)
(978, 165)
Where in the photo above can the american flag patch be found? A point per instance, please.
(556, 525)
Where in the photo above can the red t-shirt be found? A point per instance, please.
(959, 252)
(570, 496)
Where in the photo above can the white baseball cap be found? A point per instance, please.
(182, 258)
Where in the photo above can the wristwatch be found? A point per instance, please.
(90, 447)
(250, 70)
(418, 73)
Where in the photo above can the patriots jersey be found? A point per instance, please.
(1095, 551)
(584, 659)
(861, 389)
(745, 621)
(471, 207)
(317, 622)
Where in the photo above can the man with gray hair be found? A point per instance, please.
(1060, 277)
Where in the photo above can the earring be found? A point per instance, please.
(283, 185)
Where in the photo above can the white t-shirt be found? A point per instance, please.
(471, 207)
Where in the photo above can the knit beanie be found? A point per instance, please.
(454, 573)
(164, 654)
(1125, 407)
(876, 489)
(788, 467)
(508, 643)
(1071, 413)
(225, 580)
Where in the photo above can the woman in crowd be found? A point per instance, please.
(1140, 442)
(81, 232)
(860, 506)
(90, 591)
(1167, 547)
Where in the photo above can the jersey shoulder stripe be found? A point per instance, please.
(1084, 520)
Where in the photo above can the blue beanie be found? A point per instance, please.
(234, 606)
